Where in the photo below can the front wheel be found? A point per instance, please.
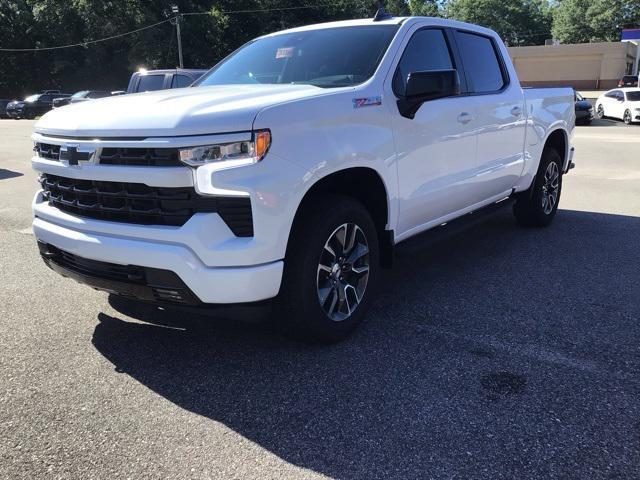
(538, 206)
(600, 112)
(627, 117)
(331, 269)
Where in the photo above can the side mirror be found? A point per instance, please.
(424, 86)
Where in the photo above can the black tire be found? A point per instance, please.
(600, 112)
(298, 311)
(626, 118)
(531, 209)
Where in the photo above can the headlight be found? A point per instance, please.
(251, 151)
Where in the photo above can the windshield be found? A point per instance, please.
(579, 97)
(80, 94)
(32, 98)
(330, 57)
(633, 96)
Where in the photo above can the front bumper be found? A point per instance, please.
(214, 285)
(584, 115)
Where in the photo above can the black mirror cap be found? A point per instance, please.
(424, 86)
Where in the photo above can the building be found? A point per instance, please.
(585, 66)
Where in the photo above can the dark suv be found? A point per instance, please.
(81, 96)
(149, 80)
(34, 105)
(628, 81)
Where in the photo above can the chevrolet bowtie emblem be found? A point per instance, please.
(73, 155)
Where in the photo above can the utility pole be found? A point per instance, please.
(177, 19)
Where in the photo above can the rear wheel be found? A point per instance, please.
(331, 269)
(537, 206)
(627, 117)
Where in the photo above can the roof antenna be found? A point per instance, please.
(381, 15)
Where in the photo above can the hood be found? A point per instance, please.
(583, 105)
(184, 111)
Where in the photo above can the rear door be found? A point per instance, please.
(437, 148)
(499, 104)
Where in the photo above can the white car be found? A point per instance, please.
(292, 169)
(621, 103)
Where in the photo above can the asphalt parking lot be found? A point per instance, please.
(500, 353)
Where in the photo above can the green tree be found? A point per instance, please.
(518, 22)
(580, 21)
(425, 8)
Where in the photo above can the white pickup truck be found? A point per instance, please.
(293, 167)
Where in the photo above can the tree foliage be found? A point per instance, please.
(578, 21)
(519, 22)
(208, 38)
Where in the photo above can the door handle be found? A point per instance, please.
(465, 117)
(516, 111)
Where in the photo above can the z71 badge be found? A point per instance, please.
(367, 102)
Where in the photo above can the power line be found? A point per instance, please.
(91, 42)
(83, 44)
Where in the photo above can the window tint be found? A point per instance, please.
(98, 94)
(181, 81)
(45, 98)
(633, 96)
(481, 64)
(427, 50)
(149, 83)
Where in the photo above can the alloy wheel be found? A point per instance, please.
(550, 187)
(600, 111)
(627, 117)
(343, 272)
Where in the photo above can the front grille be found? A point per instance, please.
(54, 152)
(140, 204)
(95, 268)
(143, 157)
(48, 151)
(148, 157)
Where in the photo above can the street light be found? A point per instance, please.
(177, 19)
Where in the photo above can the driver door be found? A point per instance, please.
(436, 150)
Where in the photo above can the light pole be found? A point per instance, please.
(177, 19)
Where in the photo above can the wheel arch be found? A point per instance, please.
(364, 184)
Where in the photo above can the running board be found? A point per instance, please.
(455, 226)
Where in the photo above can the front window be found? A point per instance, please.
(633, 96)
(330, 57)
(80, 94)
(32, 98)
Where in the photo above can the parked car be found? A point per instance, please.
(81, 96)
(151, 80)
(34, 105)
(620, 103)
(292, 169)
(584, 110)
(628, 81)
(3, 107)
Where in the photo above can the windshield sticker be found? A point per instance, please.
(367, 102)
(286, 52)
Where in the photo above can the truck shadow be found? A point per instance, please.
(476, 358)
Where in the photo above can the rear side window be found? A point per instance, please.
(481, 64)
(181, 81)
(149, 83)
(427, 50)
